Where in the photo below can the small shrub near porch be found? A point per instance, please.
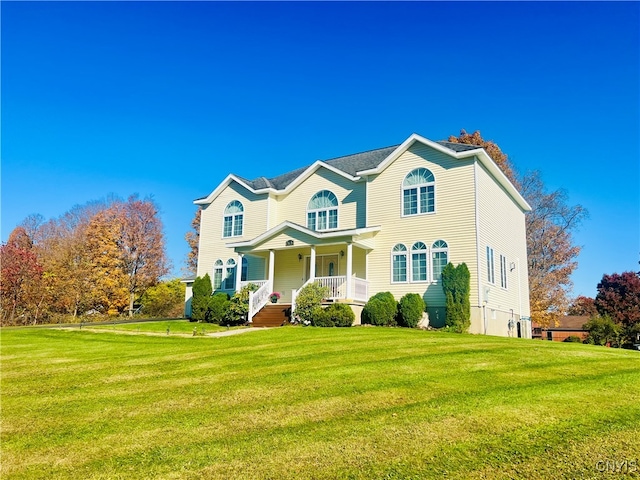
(381, 310)
(335, 315)
(308, 301)
(410, 310)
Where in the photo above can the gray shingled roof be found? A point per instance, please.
(350, 164)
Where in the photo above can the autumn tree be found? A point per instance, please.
(551, 253)
(141, 245)
(492, 149)
(619, 297)
(166, 299)
(582, 306)
(20, 278)
(193, 239)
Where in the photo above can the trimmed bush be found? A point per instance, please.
(381, 310)
(200, 301)
(218, 305)
(320, 317)
(410, 310)
(308, 299)
(340, 314)
(456, 285)
(238, 306)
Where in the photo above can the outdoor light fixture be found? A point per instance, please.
(342, 253)
(299, 257)
(512, 266)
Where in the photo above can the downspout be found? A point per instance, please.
(477, 225)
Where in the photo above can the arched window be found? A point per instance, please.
(399, 264)
(217, 274)
(230, 278)
(439, 258)
(418, 192)
(419, 262)
(322, 211)
(232, 226)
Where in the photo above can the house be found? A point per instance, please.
(568, 325)
(388, 219)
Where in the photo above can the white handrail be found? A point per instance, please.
(258, 299)
(337, 285)
(360, 289)
(259, 283)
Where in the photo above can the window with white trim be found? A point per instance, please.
(418, 192)
(230, 278)
(399, 264)
(233, 219)
(419, 262)
(245, 269)
(491, 278)
(217, 274)
(322, 211)
(439, 259)
(503, 271)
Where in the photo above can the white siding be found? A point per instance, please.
(501, 227)
(453, 220)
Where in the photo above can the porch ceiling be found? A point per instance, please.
(291, 235)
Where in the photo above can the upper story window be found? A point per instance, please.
(439, 258)
(399, 264)
(418, 192)
(233, 219)
(322, 211)
(419, 262)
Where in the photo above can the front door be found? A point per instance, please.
(326, 266)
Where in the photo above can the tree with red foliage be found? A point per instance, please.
(619, 297)
(583, 306)
(20, 277)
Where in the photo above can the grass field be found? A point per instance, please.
(181, 327)
(302, 403)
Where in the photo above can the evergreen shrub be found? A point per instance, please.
(410, 310)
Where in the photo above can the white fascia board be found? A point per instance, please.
(319, 235)
(224, 184)
(479, 152)
(311, 170)
(498, 174)
(303, 176)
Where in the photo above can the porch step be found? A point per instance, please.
(272, 315)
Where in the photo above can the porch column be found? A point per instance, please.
(239, 272)
(349, 269)
(312, 264)
(272, 266)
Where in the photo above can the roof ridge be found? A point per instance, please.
(360, 153)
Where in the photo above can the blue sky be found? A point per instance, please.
(167, 98)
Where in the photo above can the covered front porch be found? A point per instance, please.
(293, 256)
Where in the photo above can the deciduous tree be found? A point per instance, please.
(141, 245)
(619, 297)
(193, 239)
(20, 279)
(582, 306)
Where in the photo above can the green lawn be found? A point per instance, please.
(183, 327)
(300, 403)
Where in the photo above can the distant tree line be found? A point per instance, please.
(98, 258)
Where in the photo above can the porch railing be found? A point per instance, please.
(294, 294)
(259, 283)
(337, 286)
(259, 298)
(360, 289)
